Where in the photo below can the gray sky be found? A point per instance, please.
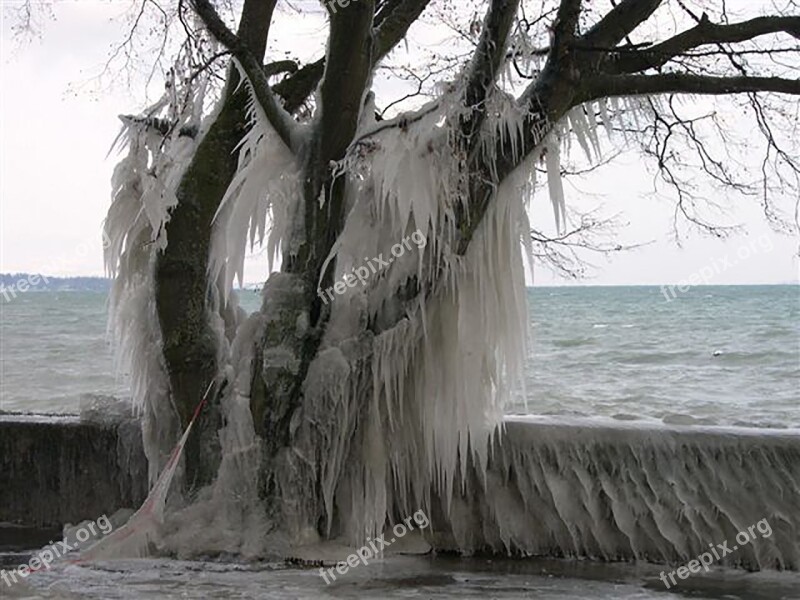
(58, 119)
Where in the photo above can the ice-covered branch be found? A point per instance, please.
(487, 61)
(545, 101)
(163, 126)
(252, 67)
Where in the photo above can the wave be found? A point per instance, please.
(573, 342)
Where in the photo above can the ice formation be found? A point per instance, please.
(144, 186)
(260, 203)
(403, 395)
(143, 530)
(443, 366)
(630, 491)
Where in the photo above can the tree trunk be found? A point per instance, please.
(184, 293)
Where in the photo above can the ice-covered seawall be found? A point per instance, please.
(622, 491)
(580, 488)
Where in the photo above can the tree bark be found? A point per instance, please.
(183, 290)
(183, 293)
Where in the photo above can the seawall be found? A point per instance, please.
(58, 470)
(608, 490)
(603, 490)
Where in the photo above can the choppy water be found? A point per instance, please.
(714, 355)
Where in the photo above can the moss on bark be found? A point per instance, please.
(183, 289)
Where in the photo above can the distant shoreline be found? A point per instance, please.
(84, 283)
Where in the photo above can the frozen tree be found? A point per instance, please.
(332, 413)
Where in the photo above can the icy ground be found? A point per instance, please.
(398, 577)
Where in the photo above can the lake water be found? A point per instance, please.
(714, 355)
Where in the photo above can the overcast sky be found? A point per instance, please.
(58, 120)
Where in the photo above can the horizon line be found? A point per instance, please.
(567, 283)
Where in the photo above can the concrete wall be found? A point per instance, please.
(57, 470)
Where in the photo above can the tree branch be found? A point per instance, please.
(391, 23)
(393, 28)
(254, 25)
(297, 87)
(280, 66)
(565, 26)
(589, 233)
(347, 73)
(705, 32)
(545, 101)
(620, 22)
(278, 117)
(487, 61)
(602, 86)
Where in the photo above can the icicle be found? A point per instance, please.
(580, 129)
(144, 185)
(264, 190)
(441, 376)
(554, 183)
